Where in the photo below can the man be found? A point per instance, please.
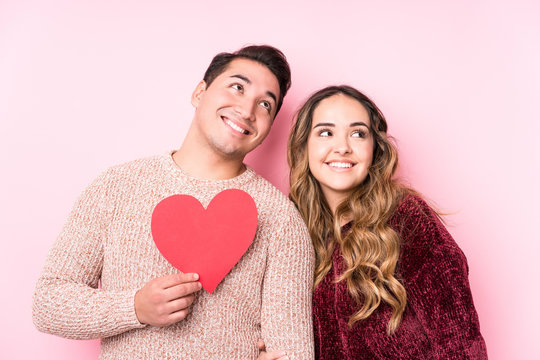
(145, 309)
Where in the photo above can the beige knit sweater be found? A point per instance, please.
(105, 253)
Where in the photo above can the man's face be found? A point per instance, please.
(235, 113)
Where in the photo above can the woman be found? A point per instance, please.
(390, 282)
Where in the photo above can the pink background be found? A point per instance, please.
(88, 84)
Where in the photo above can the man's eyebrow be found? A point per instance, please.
(272, 95)
(241, 77)
(247, 81)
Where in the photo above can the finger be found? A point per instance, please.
(178, 316)
(176, 279)
(181, 290)
(273, 355)
(260, 345)
(277, 355)
(180, 304)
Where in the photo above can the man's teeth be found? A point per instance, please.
(236, 127)
(340, 164)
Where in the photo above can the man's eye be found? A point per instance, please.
(238, 87)
(266, 105)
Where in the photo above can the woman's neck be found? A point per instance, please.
(345, 219)
(334, 200)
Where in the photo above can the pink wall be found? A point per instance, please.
(88, 84)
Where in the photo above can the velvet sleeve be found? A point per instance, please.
(435, 273)
(67, 300)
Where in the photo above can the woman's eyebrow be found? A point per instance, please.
(360, 123)
(324, 124)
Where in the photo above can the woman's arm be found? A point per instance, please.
(435, 273)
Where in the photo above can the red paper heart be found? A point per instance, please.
(207, 242)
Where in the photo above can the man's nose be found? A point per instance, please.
(246, 109)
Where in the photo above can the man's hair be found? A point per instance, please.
(265, 55)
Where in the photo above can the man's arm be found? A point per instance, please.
(286, 317)
(67, 300)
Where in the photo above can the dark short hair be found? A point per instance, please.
(265, 55)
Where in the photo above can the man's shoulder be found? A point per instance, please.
(271, 202)
(279, 220)
(139, 165)
(267, 193)
(135, 168)
(135, 171)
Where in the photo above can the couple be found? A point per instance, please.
(389, 280)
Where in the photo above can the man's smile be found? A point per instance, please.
(235, 126)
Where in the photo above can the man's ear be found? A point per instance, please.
(197, 93)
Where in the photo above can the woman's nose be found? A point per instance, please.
(341, 145)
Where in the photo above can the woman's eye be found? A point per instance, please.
(325, 133)
(359, 134)
(238, 87)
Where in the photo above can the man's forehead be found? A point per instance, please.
(251, 71)
(247, 68)
(240, 63)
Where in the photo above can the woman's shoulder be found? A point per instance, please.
(424, 238)
(418, 224)
(412, 200)
(411, 209)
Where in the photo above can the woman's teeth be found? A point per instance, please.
(340, 165)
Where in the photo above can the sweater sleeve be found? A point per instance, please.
(286, 318)
(67, 300)
(435, 272)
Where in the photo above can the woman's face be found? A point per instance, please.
(340, 146)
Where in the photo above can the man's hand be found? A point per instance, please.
(272, 355)
(166, 300)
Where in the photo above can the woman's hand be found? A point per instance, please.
(272, 355)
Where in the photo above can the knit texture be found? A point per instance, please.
(440, 321)
(105, 253)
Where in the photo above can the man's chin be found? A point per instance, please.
(231, 154)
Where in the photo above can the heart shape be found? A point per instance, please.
(207, 242)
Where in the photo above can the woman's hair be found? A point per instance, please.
(371, 248)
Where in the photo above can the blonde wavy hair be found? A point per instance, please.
(371, 248)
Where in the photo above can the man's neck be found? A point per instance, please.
(201, 163)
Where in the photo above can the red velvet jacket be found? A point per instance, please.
(440, 321)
